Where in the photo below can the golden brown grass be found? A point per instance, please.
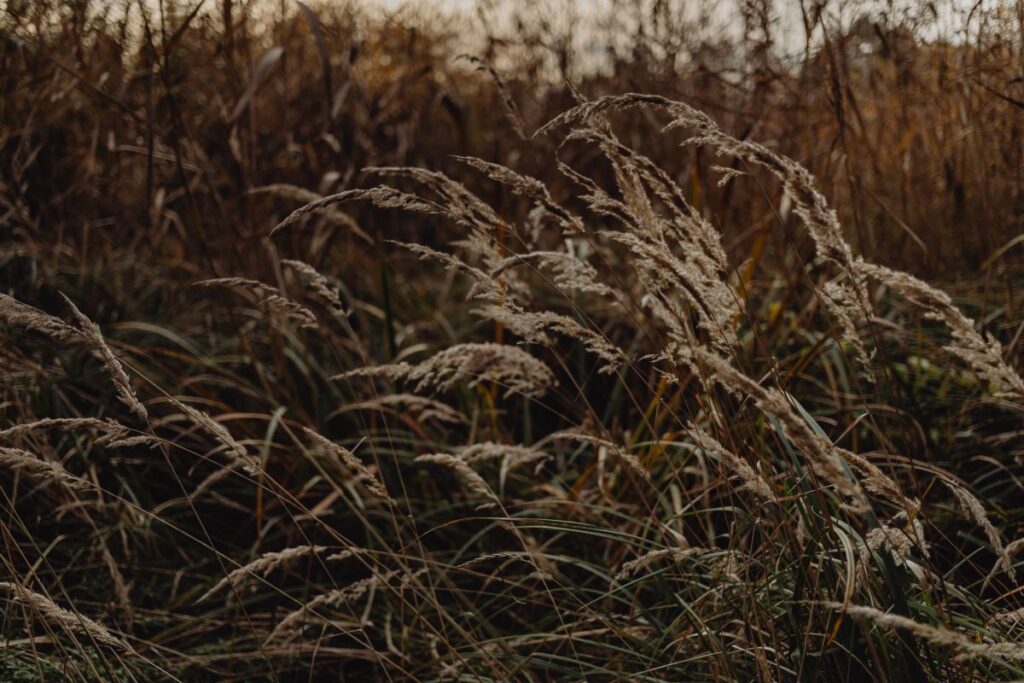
(540, 380)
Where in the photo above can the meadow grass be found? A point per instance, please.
(325, 366)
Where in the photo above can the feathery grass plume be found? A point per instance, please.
(984, 356)
(937, 636)
(1011, 618)
(113, 433)
(508, 366)
(261, 567)
(317, 283)
(458, 204)
(878, 482)
(384, 197)
(390, 371)
(530, 188)
(349, 460)
(684, 223)
(680, 252)
(569, 273)
(545, 567)
(340, 597)
(90, 331)
(484, 286)
(820, 220)
(597, 199)
(899, 541)
(347, 553)
(66, 619)
(512, 457)
(847, 299)
(17, 314)
(533, 327)
(122, 589)
(635, 566)
(129, 441)
(1014, 547)
(235, 451)
(665, 278)
(422, 407)
(489, 450)
(267, 296)
(1011, 549)
(504, 555)
(473, 481)
(823, 457)
(727, 174)
(41, 470)
(307, 197)
(752, 481)
(630, 461)
(976, 511)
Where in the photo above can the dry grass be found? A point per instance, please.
(331, 356)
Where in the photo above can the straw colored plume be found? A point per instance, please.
(39, 470)
(91, 333)
(111, 433)
(318, 285)
(821, 454)
(752, 481)
(677, 252)
(348, 460)
(485, 287)
(629, 461)
(305, 196)
(847, 297)
(261, 567)
(383, 197)
(976, 511)
(268, 297)
(456, 203)
(17, 314)
(507, 101)
(340, 598)
(983, 355)
(473, 481)
(511, 457)
(901, 541)
(955, 640)
(489, 450)
(528, 187)
(534, 328)
(236, 452)
(674, 555)
(56, 615)
(569, 273)
(511, 368)
(422, 407)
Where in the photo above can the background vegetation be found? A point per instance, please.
(611, 397)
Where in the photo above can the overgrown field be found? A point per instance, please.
(332, 354)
